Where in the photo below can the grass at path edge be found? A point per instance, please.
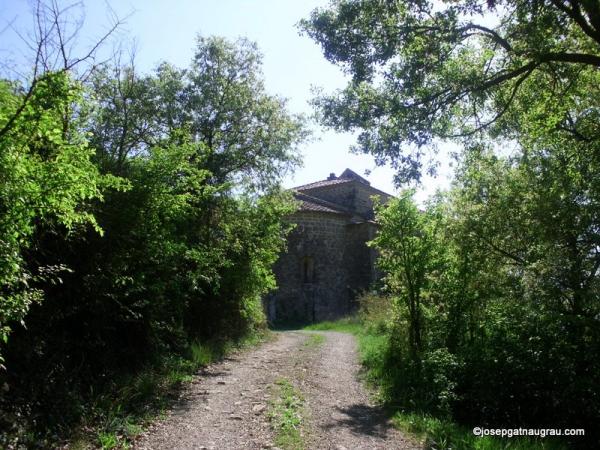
(117, 417)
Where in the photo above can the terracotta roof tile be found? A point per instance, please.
(308, 203)
(318, 184)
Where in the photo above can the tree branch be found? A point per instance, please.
(47, 23)
(578, 58)
(502, 112)
(575, 14)
(490, 33)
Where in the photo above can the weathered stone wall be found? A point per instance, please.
(339, 265)
(327, 262)
(363, 204)
(318, 240)
(359, 258)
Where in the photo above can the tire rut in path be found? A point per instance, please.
(225, 407)
(342, 413)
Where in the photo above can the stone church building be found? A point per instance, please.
(327, 262)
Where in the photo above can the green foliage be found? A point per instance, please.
(47, 180)
(201, 354)
(219, 101)
(494, 284)
(108, 440)
(407, 244)
(185, 252)
(468, 69)
(347, 325)
(506, 269)
(314, 341)
(441, 434)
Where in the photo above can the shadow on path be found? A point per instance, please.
(360, 419)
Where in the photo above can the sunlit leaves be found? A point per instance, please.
(47, 177)
(424, 71)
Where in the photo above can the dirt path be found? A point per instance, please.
(343, 415)
(225, 408)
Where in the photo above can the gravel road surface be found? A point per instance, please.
(226, 406)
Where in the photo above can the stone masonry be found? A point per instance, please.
(327, 262)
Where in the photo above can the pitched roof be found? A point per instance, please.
(347, 176)
(322, 183)
(352, 175)
(308, 203)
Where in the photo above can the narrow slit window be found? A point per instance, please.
(308, 270)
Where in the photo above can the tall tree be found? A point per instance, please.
(220, 101)
(407, 241)
(423, 71)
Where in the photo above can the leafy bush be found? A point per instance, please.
(487, 326)
(144, 236)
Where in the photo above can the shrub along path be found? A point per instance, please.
(238, 403)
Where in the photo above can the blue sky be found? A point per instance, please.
(165, 30)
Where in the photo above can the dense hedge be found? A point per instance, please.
(496, 290)
(143, 219)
